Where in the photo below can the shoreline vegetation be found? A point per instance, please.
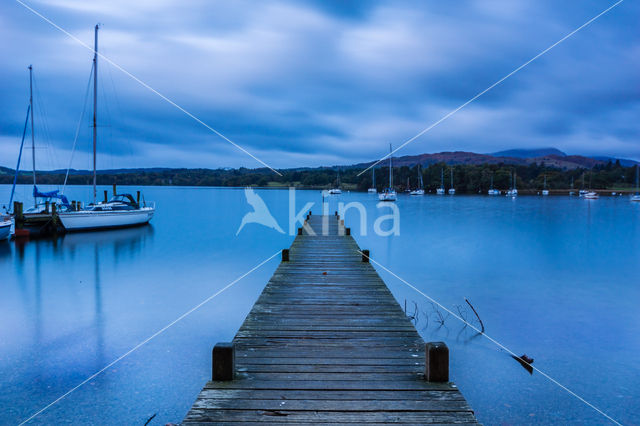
(469, 179)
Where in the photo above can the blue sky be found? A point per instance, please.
(319, 83)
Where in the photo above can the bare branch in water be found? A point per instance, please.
(477, 316)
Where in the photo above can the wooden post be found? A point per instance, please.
(114, 189)
(299, 231)
(309, 212)
(365, 256)
(17, 210)
(73, 205)
(437, 362)
(223, 362)
(336, 213)
(347, 231)
(105, 196)
(285, 255)
(46, 207)
(138, 197)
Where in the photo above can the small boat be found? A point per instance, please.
(583, 192)
(452, 190)
(491, 190)
(440, 191)
(420, 190)
(636, 196)
(373, 189)
(5, 227)
(389, 194)
(513, 192)
(335, 191)
(591, 195)
(122, 210)
(545, 191)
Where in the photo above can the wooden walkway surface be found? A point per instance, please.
(326, 342)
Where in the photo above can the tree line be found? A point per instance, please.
(466, 178)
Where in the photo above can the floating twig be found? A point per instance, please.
(477, 316)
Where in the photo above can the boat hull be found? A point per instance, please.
(90, 220)
(387, 196)
(417, 192)
(372, 190)
(5, 229)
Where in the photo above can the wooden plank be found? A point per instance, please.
(327, 343)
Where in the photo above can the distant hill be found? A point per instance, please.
(529, 153)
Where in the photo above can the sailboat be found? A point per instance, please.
(388, 194)
(582, 191)
(373, 189)
(420, 190)
(491, 190)
(591, 195)
(545, 191)
(513, 192)
(452, 190)
(440, 191)
(636, 196)
(336, 190)
(120, 211)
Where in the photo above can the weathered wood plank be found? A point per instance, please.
(327, 343)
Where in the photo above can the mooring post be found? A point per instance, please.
(365, 256)
(46, 207)
(347, 231)
(17, 210)
(336, 213)
(309, 212)
(223, 361)
(105, 196)
(285, 255)
(138, 197)
(436, 364)
(299, 231)
(114, 190)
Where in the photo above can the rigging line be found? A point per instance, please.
(452, 112)
(500, 345)
(145, 85)
(148, 339)
(15, 177)
(75, 139)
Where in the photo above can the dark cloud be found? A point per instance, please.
(316, 82)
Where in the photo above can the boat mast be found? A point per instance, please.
(452, 177)
(491, 181)
(420, 176)
(390, 169)
(373, 173)
(33, 140)
(442, 178)
(637, 179)
(95, 108)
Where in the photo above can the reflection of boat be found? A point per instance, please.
(5, 227)
(118, 238)
(122, 210)
(389, 194)
(591, 195)
(452, 190)
(373, 189)
(420, 190)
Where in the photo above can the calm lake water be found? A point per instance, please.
(556, 278)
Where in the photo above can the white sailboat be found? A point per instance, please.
(440, 191)
(122, 210)
(373, 189)
(389, 194)
(336, 190)
(545, 191)
(513, 192)
(420, 190)
(582, 191)
(491, 190)
(452, 190)
(636, 196)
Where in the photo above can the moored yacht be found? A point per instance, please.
(373, 189)
(420, 190)
(452, 190)
(440, 191)
(591, 195)
(389, 194)
(122, 210)
(545, 191)
(636, 196)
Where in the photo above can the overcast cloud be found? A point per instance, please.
(319, 83)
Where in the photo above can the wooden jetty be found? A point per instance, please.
(326, 342)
